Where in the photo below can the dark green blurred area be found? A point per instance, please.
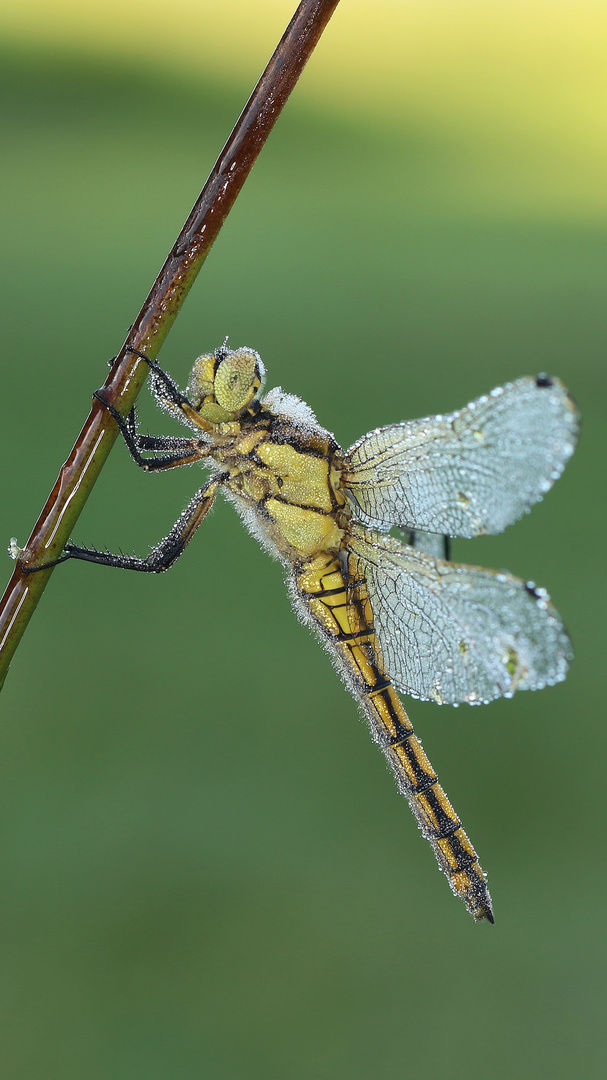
(206, 870)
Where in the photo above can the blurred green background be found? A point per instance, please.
(206, 870)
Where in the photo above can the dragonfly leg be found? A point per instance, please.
(165, 553)
(172, 391)
(182, 451)
(167, 393)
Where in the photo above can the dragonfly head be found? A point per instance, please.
(223, 385)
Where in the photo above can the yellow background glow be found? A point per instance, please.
(521, 85)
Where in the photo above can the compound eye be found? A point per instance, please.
(237, 380)
(200, 383)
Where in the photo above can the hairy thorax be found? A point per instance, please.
(289, 478)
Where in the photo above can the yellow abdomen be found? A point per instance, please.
(342, 612)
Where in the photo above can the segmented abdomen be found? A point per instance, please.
(344, 615)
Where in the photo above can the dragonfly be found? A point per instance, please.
(393, 612)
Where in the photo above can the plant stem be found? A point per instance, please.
(150, 328)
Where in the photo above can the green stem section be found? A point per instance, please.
(150, 328)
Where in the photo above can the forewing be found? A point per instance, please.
(454, 633)
(472, 472)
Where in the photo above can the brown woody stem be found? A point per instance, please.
(150, 328)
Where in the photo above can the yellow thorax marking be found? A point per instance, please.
(308, 531)
(302, 478)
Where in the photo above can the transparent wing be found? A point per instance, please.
(454, 633)
(432, 543)
(472, 472)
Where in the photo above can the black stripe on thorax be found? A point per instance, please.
(255, 458)
(305, 451)
(283, 433)
(300, 506)
(325, 592)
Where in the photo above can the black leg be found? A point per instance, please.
(165, 553)
(164, 442)
(172, 391)
(184, 451)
